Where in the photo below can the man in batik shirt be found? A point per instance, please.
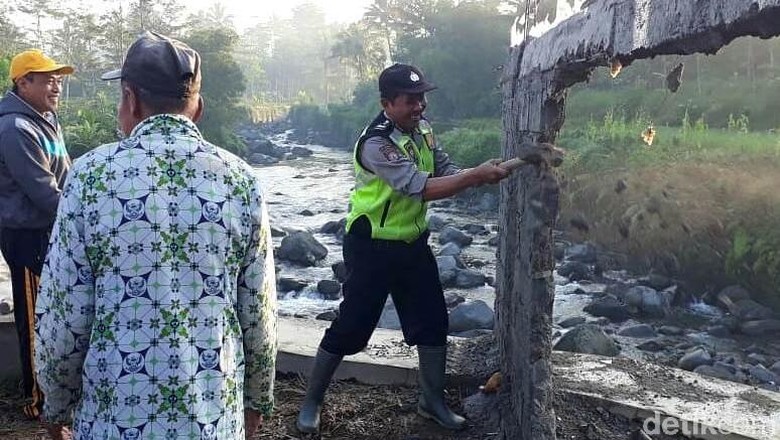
(156, 315)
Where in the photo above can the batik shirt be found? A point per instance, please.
(156, 316)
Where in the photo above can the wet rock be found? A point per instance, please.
(483, 408)
(730, 295)
(476, 229)
(638, 331)
(695, 359)
(775, 368)
(757, 359)
(436, 223)
(306, 213)
(651, 346)
(339, 271)
(453, 299)
(451, 249)
(656, 281)
(609, 307)
(758, 328)
(572, 322)
(6, 307)
(471, 315)
(749, 310)
(330, 289)
(574, 271)
(302, 248)
(330, 315)
(301, 152)
(275, 232)
(719, 331)
(760, 374)
(588, 338)
(726, 366)
(335, 227)
(467, 279)
(493, 241)
(584, 253)
(670, 330)
(647, 301)
(559, 250)
(448, 269)
(262, 159)
(717, 372)
(290, 285)
(453, 235)
(730, 322)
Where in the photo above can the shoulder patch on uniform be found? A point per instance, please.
(391, 152)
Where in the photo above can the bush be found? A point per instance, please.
(470, 147)
(88, 123)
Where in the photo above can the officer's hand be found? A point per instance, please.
(59, 432)
(490, 172)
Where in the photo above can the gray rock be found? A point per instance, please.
(572, 322)
(306, 213)
(493, 241)
(436, 223)
(290, 284)
(483, 408)
(330, 289)
(476, 229)
(647, 301)
(471, 315)
(732, 294)
(757, 359)
(277, 232)
(330, 315)
(651, 346)
(656, 281)
(695, 359)
(716, 372)
(749, 310)
(726, 366)
(303, 248)
(339, 271)
(450, 249)
(262, 159)
(453, 235)
(588, 338)
(609, 307)
(760, 374)
(335, 227)
(719, 331)
(670, 330)
(758, 328)
(467, 279)
(574, 270)
(776, 368)
(453, 299)
(301, 152)
(448, 269)
(638, 331)
(584, 253)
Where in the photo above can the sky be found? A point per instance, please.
(248, 12)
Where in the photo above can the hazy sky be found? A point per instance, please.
(248, 12)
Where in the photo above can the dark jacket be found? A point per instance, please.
(33, 165)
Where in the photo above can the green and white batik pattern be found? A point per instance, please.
(156, 316)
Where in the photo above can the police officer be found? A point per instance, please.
(398, 169)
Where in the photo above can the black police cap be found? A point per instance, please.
(403, 78)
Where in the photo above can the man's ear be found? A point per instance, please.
(385, 102)
(199, 111)
(133, 103)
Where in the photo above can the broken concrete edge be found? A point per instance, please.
(637, 413)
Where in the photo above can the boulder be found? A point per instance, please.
(302, 248)
(695, 359)
(638, 331)
(731, 294)
(339, 271)
(574, 271)
(715, 371)
(290, 285)
(588, 338)
(609, 307)
(262, 159)
(330, 315)
(453, 235)
(760, 374)
(584, 253)
(450, 249)
(436, 223)
(651, 346)
(749, 310)
(330, 289)
(468, 278)
(471, 315)
(572, 322)
(762, 327)
(301, 152)
(453, 299)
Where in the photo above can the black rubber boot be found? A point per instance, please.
(431, 405)
(325, 365)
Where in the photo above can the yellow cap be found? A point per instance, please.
(34, 60)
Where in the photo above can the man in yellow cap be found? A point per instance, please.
(33, 165)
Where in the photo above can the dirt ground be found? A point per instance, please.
(354, 411)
